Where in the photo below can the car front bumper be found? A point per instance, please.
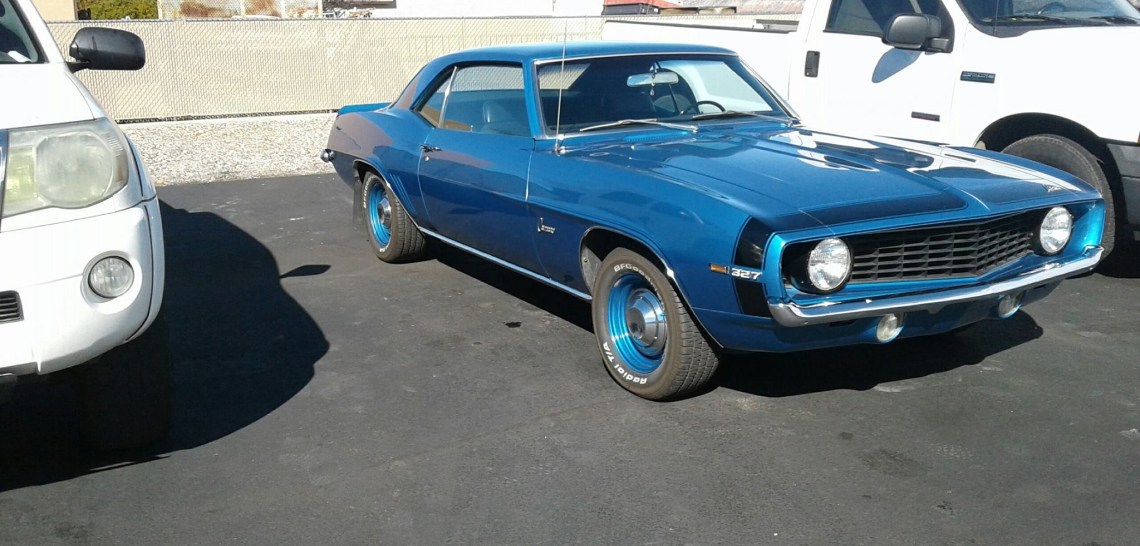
(792, 315)
(63, 322)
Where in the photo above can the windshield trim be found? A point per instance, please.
(41, 58)
(783, 109)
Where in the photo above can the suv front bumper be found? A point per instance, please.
(64, 323)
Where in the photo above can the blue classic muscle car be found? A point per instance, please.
(671, 188)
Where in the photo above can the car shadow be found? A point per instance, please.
(862, 367)
(241, 346)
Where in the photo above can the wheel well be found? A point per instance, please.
(359, 167)
(1008, 130)
(599, 242)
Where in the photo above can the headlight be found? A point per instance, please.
(70, 166)
(829, 265)
(1055, 230)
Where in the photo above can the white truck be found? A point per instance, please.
(1055, 81)
(81, 244)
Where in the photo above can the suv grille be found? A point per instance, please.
(964, 250)
(10, 307)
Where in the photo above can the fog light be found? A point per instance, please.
(889, 327)
(111, 277)
(1009, 304)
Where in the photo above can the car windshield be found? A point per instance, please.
(16, 45)
(674, 91)
(1052, 12)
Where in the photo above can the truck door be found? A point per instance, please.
(861, 86)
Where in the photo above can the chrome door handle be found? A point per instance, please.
(429, 149)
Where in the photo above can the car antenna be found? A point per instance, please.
(561, 81)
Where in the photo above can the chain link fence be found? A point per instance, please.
(218, 68)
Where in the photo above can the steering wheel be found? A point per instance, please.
(1052, 7)
(697, 106)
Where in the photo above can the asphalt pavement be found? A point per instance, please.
(324, 397)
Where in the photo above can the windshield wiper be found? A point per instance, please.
(1027, 17)
(1116, 19)
(735, 113)
(624, 122)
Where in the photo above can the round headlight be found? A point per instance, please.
(1055, 230)
(829, 265)
(111, 277)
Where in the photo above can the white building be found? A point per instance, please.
(479, 8)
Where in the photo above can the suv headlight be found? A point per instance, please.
(69, 166)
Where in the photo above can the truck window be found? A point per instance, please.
(870, 17)
(16, 45)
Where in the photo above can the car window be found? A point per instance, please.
(870, 17)
(432, 108)
(487, 99)
(580, 94)
(16, 45)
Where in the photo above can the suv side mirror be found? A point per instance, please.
(912, 30)
(106, 49)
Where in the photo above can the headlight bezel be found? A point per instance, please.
(1039, 239)
(23, 192)
(799, 266)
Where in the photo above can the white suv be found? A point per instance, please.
(81, 248)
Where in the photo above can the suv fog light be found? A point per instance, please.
(889, 327)
(111, 277)
(1009, 305)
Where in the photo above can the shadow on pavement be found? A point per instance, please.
(242, 347)
(862, 367)
(858, 368)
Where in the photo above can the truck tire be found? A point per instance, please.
(127, 394)
(1064, 154)
(649, 343)
(392, 235)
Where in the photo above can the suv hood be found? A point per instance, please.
(836, 179)
(40, 94)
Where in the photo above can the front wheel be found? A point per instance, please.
(1064, 154)
(649, 342)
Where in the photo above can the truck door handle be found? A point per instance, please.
(811, 64)
(429, 149)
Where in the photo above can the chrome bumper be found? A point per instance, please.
(790, 314)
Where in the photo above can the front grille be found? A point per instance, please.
(10, 307)
(963, 250)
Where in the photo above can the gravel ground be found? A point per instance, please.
(232, 148)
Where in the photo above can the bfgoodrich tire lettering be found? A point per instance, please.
(684, 363)
(392, 235)
(1064, 154)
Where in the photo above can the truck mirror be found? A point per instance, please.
(106, 49)
(912, 30)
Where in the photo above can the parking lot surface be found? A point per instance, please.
(324, 397)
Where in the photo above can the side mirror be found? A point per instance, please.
(912, 30)
(106, 49)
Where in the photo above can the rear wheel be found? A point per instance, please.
(391, 233)
(126, 396)
(1064, 154)
(649, 342)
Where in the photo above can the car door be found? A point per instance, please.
(475, 163)
(861, 86)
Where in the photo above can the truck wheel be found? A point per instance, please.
(126, 395)
(1064, 154)
(649, 343)
(393, 236)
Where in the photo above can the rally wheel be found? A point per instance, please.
(649, 342)
(391, 233)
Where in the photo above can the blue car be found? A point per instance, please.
(669, 186)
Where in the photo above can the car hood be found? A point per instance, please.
(40, 94)
(832, 178)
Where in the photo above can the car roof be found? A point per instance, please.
(524, 53)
